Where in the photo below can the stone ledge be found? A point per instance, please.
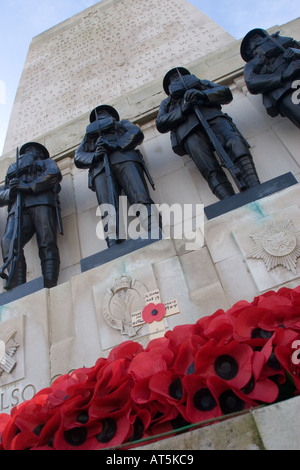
(273, 427)
(238, 433)
(23, 290)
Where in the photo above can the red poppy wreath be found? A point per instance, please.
(224, 363)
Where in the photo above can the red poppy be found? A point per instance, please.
(155, 358)
(230, 399)
(33, 428)
(259, 388)
(273, 367)
(68, 385)
(162, 411)
(126, 350)
(160, 347)
(179, 334)
(106, 432)
(201, 403)
(47, 432)
(115, 400)
(140, 392)
(217, 326)
(4, 420)
(231, 362)
(281, 307)
(24, 440)
(248, 323)
(168, 385)
(139, 419)
(153, 312)
(281, 312)
(171, 422)
(287, 354)
(75, 410)
(184, 362)
(28, 417)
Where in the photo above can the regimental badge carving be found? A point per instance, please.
(277, 244)
(125, 297)
(8, 348)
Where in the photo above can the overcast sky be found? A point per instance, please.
(21, 20)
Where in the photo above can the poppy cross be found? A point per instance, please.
(154, 312)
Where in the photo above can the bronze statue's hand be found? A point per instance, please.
(187, 107)
(193, 95)
(292, 71)
(100, 151)
(105, 146)
(291, 54)
(18, 186)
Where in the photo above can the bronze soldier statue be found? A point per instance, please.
(31, 193)
(108, 150)
(193, 113)
(273, 64)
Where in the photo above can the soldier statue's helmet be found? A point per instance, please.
(112, 111)
(245, 53)
(173, 71)
(44, 151)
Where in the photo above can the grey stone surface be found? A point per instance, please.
(238, 433)
(279, 425)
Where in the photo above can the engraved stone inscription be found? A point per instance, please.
(78, 64)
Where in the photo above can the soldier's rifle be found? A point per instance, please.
(274, 41)
(112, 196)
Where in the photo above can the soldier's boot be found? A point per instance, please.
(111, 242)
(50, 271)
(16, 273)
(111, 231)
(248, 171)
(220, 185)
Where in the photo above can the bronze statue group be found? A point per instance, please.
(192, 114)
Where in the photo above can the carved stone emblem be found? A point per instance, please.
(277, 244)
(125, 297)
(8, 348)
